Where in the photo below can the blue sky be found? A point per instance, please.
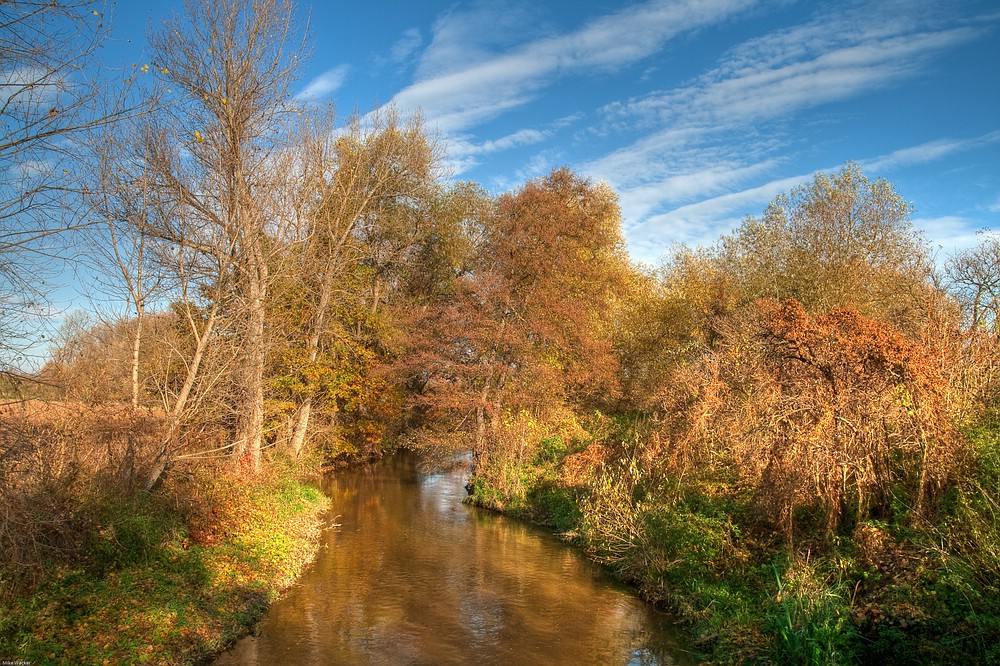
(697, 112)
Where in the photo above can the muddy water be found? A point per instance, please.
(413, 576)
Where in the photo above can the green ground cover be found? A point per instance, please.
(171, 577)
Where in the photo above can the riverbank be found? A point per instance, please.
(892, 591)
(171, 577)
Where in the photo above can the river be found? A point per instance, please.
(410, 575)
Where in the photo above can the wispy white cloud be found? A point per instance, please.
(325, 84)
(568, 121)
(406, 45)
(737, 94)
(721, 131)
(928, 152)
(28, 170)
(703, 222)
(462, 84)
(23, 88)
(830, 58)
(717, 132)
(478, 33)
(519, 138)
(464, 152)
(950, 233)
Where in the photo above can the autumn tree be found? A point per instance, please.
(367, 209)
(839, 241)
(431, 315)
(845, 390)
(667, 319)
(557, 248)
(445, 248)
(525, 335)
(971, 279)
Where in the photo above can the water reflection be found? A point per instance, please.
(412, 576)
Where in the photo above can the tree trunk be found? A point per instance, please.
(250, 398)
(304, 411)
(301, 426)
(159, 468)
(136, 340)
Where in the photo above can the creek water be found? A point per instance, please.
(410, 575)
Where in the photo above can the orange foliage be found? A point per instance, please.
(835, 412)
(556, 249)
(580, 469)
(528, 330)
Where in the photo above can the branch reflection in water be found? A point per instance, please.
(413, 576)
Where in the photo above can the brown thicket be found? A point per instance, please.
(834, 412)
(54, 458)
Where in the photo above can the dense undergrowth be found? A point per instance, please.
(167, 577)
(893, 590)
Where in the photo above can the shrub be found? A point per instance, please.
(554, 505)
(837, 413)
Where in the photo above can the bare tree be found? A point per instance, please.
(121, 249)
(218, 153)
(48, 100)
(973, 276)
(148, 251)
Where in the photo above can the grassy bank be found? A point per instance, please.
(170, 577)
(892, 590)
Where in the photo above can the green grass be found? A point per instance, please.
(148, 591)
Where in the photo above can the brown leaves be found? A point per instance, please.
(834, 412)
(841, 344)
(556, 247)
